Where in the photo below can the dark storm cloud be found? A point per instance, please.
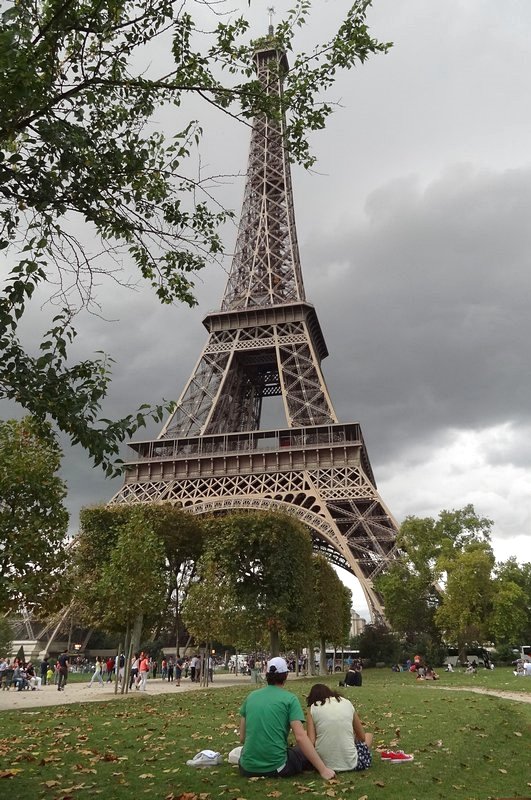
(424, 302)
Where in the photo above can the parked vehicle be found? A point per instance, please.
(340, 658)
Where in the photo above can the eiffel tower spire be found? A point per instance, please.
(266, 339)
(266, 267)
(212, 454)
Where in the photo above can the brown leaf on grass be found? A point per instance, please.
(147, 775)
(364, 797)
(330, 793)
(381, 784)
(503, 771)
(50, 784)
(274, 794)
(9, 773)
(517, 733)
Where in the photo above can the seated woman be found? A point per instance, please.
(20, 681)
(336, 731)
(431, 675)
(353, 676)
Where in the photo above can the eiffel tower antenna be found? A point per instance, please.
(265, 341)
(271, 12)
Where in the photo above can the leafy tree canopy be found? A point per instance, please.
(266, 559)
(120, 548)
(33, 518)
(431, 550)
(82, 160)
(466, 605)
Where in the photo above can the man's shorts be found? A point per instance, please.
(295, 764)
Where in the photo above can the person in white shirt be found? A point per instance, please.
(336, 731)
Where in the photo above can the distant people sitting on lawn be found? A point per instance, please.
(267, 716)
(430, 674)
(353, 676)
(336, 731)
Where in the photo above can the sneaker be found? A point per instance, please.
(386, 754)
(398, 757)
(205, 758)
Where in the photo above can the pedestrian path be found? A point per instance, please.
(82, 693)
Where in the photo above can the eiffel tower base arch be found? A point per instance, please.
(325, 487)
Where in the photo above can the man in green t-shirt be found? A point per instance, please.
(267, 716)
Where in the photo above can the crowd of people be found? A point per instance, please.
(22, 675)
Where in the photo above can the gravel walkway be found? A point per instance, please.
(520, 697)
(82, 693)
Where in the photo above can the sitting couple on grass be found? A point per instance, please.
(335, 741)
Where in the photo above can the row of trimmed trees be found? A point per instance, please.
(248, 579)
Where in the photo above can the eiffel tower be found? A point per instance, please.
(265, 341)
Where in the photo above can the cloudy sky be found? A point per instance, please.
(415, 242)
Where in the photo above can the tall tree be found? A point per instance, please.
(33, 518)
(511, 616)
(6, 637)
(466, 607)
(267, 561)
(182, 536)
(102, 532)
(82, 159)
(413, 586)
(329, 601)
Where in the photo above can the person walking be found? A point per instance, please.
(143, 671)
(134, 678)
(44, 669)
(62, 671)
(98, 667)
(178, 671)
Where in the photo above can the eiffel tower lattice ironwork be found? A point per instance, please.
(211, 456)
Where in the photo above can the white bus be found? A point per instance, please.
(340, 658)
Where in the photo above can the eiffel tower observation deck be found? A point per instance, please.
(212, 456)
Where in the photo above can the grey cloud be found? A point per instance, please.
(426, 313)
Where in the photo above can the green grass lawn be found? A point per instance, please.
(465, 745)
